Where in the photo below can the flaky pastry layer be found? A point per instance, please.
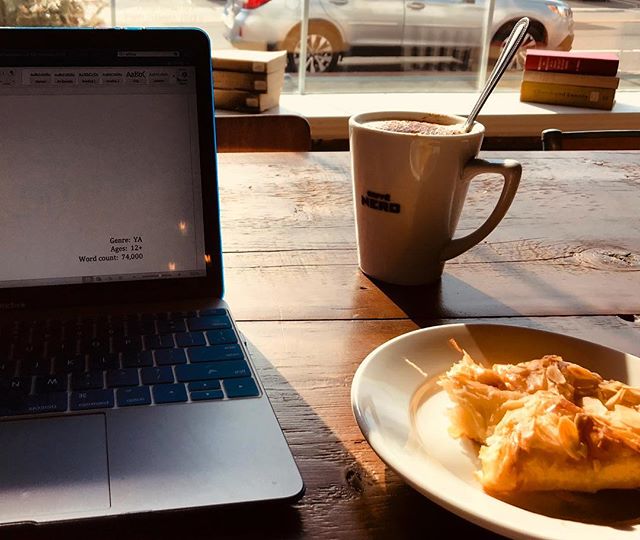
(546, 424)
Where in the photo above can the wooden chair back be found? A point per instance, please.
(262, 133)
(626, 139)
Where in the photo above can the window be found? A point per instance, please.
(360, 47)
(371, 45)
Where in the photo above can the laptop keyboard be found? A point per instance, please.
(121, 361)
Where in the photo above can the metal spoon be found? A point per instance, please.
(511, 47)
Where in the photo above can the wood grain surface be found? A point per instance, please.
(307, 368)
(573, 229)
(565, 258)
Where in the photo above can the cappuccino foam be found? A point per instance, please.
(416, 127)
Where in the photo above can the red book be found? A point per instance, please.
(587, 63)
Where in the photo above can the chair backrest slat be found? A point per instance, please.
(262, 133)
(624, 139)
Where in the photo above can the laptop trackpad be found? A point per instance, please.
(53, 466)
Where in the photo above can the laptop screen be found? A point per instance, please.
(99, 167)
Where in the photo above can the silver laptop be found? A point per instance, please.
(124, 383)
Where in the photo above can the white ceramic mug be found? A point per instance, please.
(409, 190)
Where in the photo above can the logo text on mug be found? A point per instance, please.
(379, 201)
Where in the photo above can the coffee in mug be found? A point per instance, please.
(411, 172)
(417, 127)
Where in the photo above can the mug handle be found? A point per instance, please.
(511, 171)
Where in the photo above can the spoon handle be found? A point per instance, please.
(511, 47)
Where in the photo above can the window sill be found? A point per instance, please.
(504, 115)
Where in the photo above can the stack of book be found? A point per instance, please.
(245, 80)
(578, 79)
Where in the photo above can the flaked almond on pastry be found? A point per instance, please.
(546, 424)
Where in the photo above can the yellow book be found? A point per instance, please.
(571, 95)
(598, 81)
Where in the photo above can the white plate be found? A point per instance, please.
(402, 413)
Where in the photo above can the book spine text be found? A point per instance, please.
(561, 94)
(587, 66)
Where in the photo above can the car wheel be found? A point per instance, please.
(533, 39)
(323, 52)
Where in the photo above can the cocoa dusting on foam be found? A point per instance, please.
(415, 127)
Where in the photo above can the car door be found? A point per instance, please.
(443, 23)
(367, 22)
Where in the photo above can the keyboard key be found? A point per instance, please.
(183, 314)
(68, 364)
(212, 312)
(16, 385)
(51, 383)
(204, 385)
(157, 375)
(44, 403)
(94, 345)
(65, 348)
(138, 328)
(138, 395)
(172, 326)
(29, 350)
(87, 380)
(35, 367)
(169, 393)
(127, 343)
(104, 361)
(190, 339)
(122, 377)
(213, 370)
(170, 357)
(92, 399)
(85, 325)
(209, 323)
(7, 367)
(137, 359)
(218, 337)
(215, 353)
(245, 387)
(162, 341)
(109, 328)
(207, 394)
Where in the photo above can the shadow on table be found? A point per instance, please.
(614, 508)
(447, 298)
(344, 499)
(412, 507)
(451, 297)
(239, 521)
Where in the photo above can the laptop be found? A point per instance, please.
(125, 385)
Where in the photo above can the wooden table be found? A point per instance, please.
(566, 258)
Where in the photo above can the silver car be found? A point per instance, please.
(446, 29)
